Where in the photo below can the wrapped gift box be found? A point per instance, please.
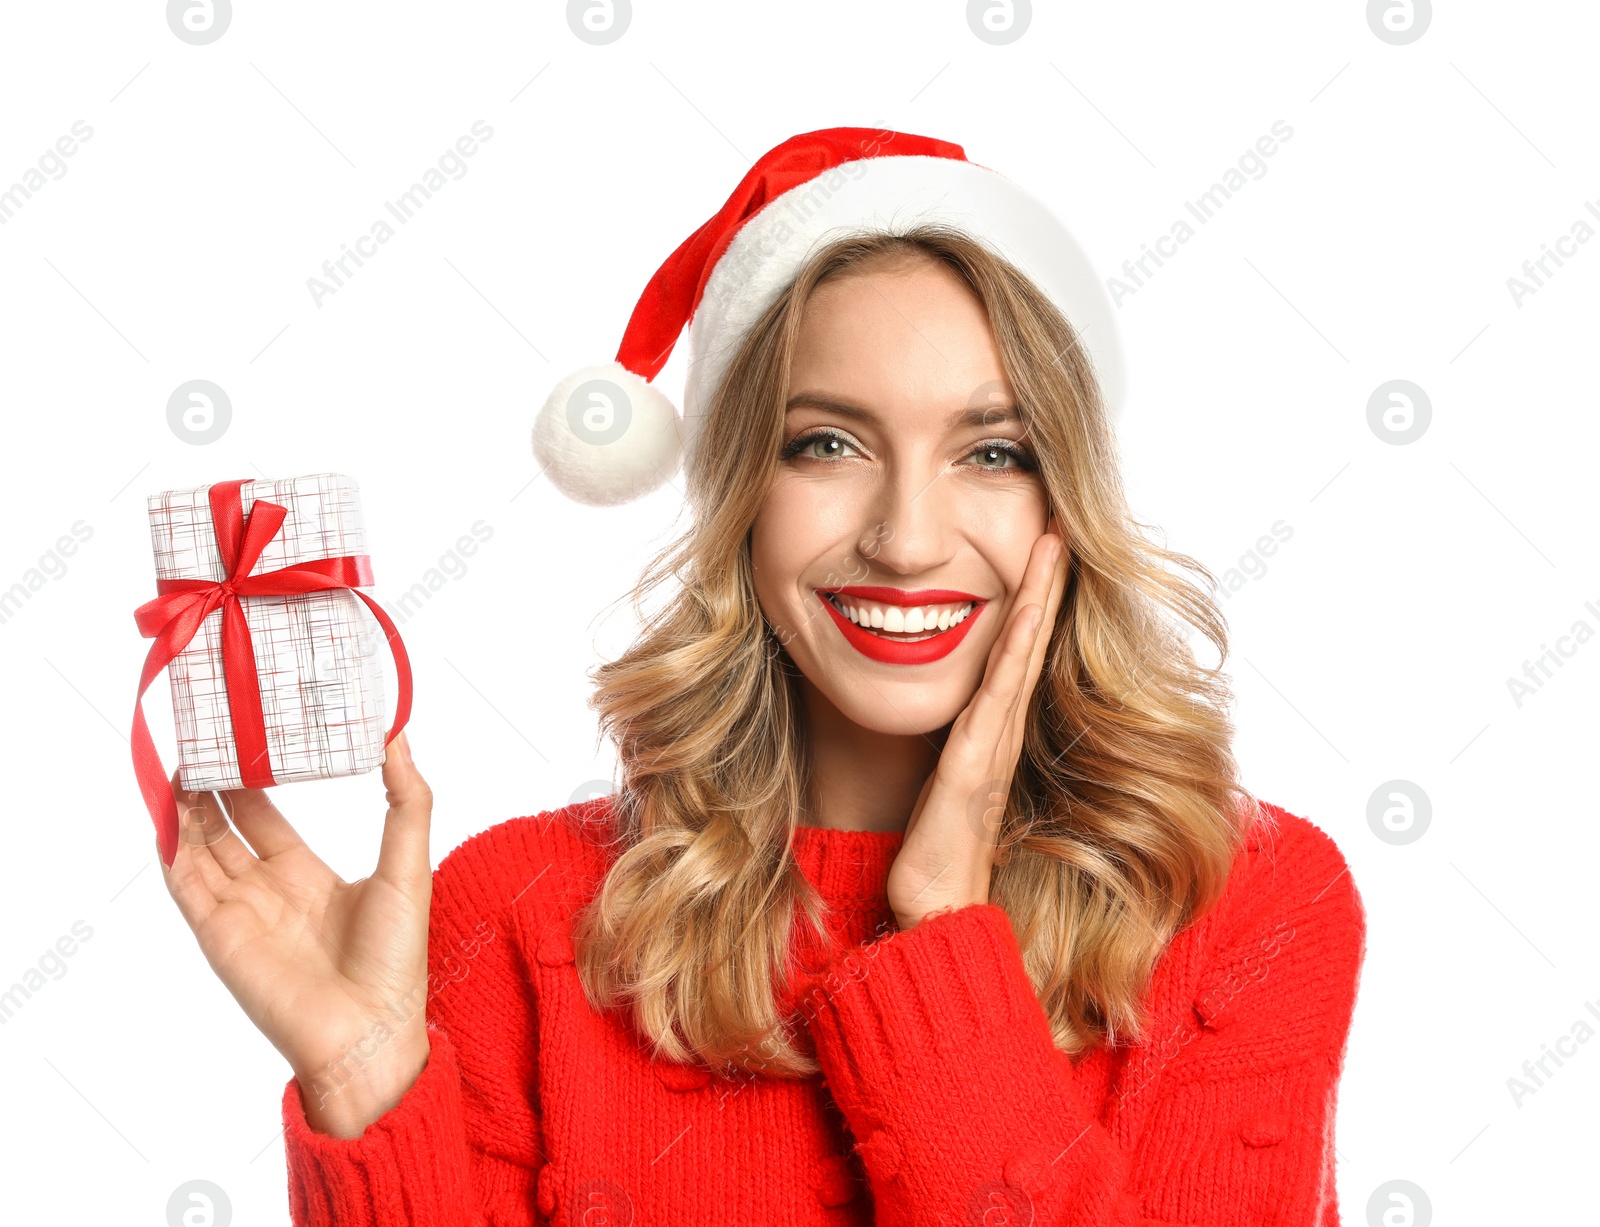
(318, 654)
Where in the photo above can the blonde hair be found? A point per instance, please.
(1124, 815)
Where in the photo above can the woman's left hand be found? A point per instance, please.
(947, 855)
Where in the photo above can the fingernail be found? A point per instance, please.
(404, 746)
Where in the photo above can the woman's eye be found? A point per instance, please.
(999, 454)
(1002, 456)
(819, 447)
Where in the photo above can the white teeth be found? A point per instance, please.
(899, 619)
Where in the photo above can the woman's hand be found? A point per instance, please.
(333, 973)
(947, 856)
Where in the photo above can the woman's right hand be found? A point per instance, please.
(333, 973)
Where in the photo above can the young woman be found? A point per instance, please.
(929, 893)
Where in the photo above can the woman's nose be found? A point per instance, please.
(908, 529)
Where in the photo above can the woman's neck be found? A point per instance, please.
(863, 780)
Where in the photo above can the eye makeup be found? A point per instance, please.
(1024, 458)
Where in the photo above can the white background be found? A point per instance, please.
(1375, 646)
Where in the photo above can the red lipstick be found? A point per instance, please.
(896, 652)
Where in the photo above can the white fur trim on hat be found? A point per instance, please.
(604, 436)
(892, 193)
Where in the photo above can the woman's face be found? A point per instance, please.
(907, 491)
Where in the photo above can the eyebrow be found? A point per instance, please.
(976, 416)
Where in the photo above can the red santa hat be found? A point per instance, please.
(607, 435)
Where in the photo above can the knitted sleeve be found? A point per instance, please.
(463, 1147)
(938, 1052)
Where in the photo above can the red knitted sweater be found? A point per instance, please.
(942, 1099)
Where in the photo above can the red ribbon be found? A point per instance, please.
(173, 618)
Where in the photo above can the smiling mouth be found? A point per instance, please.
(899, 623)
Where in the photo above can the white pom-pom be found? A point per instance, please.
(604, 436)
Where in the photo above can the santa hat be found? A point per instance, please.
(606, 434)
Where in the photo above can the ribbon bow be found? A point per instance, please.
(174, 617)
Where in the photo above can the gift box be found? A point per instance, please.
(273, 652)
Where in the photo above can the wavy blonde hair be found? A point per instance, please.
(1124, 815)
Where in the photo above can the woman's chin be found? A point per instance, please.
(897, 709)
